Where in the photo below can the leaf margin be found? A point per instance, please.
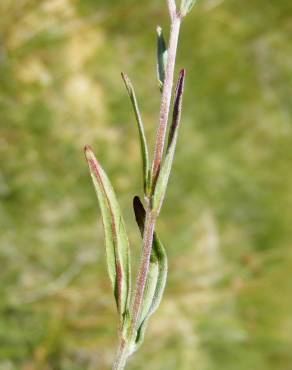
(117, 245)
(162, 55)
(142, 136)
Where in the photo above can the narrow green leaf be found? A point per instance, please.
(186, 6)
(161, 57)
(143, 142)
(117, 245)
(156, 278)
(162, 181)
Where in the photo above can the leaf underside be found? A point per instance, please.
(116, 240)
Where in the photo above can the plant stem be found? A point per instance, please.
(171, 8)
(164, 113)
(124, 352)
(122, 356)
(143, 270)
(166, 95)
(151, 216)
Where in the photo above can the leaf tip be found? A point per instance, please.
(183, 73)
(90, 157)
(140, 213)
(180, 87)
(181, 80)
(125, 77)
(159, 30)
(127, 83)
(87, 151)
(136, 201)
(138, 206)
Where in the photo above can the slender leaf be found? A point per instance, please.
(117, 245)
(164, 173)
(143, 142)
(186, 6)
(161, 57)
(156, 278)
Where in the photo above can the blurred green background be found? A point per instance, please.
(227, 221)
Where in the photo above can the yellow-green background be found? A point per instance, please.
(227, 221)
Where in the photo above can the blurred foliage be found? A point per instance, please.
(227, 220)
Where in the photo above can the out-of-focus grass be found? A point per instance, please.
(227, 220)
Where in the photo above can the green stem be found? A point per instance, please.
(151, 216)
(166, 95)
(143, 271)
(124, 349)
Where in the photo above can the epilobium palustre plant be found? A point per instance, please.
(137, 305)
